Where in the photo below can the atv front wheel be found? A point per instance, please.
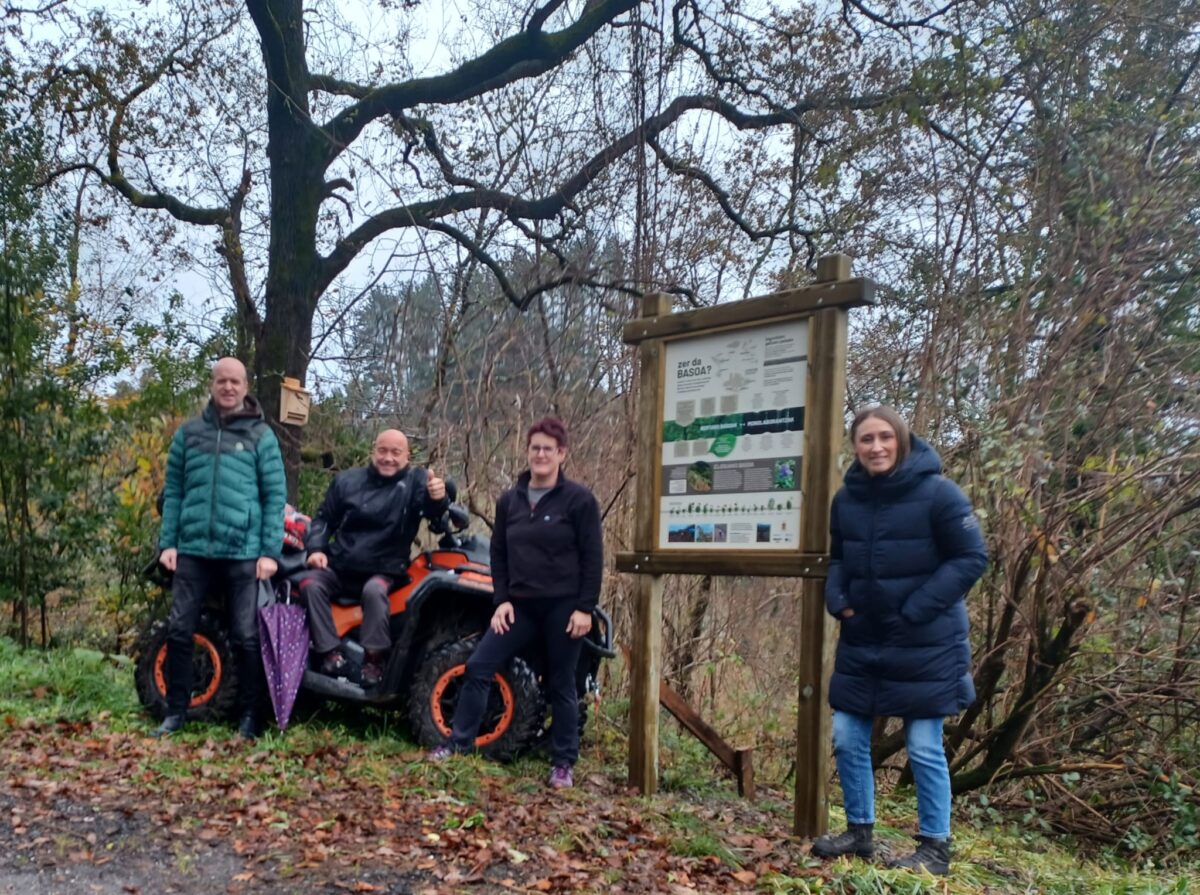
(214, 673)
(515, 713)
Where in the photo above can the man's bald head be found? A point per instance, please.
(390, 454)
(229, 385)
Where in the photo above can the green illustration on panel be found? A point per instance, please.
(723, 445)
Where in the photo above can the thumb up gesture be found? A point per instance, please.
(435, 485)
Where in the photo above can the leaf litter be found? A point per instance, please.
(102, 810)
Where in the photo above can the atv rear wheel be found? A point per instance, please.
(214, 673)
(515, 713)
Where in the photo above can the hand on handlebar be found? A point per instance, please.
(318, 560)
(579, 624)
(503, 618)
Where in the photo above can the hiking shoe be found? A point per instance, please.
(249, 728)
(170, 724)
(560, 777)
(441, 753)
(931, 855)
(856, 840)
(334, 664)
(372, 672)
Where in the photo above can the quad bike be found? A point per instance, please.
(438, 615)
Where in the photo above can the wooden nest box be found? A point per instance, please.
(294, 402)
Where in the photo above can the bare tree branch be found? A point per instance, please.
(691, 172)
(524, 55)
(561, 199)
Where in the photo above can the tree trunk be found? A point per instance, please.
(295, 151)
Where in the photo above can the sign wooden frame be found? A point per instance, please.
(824, 305)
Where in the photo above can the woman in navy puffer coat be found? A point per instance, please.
(906, 548)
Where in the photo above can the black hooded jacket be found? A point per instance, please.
(367, 522)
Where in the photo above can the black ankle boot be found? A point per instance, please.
(857, 840)
(170, 724)
(249, 728)
(931, 855)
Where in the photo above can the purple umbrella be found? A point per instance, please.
(283, 639)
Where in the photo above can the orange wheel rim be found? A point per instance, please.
(214, 682)
(453, 676)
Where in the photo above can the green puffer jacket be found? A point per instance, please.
(225, 488)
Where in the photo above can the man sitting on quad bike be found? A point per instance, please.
(438, 610)
(359, 545)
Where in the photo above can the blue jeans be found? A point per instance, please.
(931, 774)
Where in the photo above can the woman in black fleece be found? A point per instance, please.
(547, 562)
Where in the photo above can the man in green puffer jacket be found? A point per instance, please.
(222, 526)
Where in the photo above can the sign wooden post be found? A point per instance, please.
(824, 423)
(739, 430)
(645, 664)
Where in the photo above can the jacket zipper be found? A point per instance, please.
(212, 509)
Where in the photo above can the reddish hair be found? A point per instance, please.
(550, 426)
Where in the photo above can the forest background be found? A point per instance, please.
(505, 181)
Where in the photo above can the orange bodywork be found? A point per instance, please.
(471, 574)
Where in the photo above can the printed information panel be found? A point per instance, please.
(733, 437)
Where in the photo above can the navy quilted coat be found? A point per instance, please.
(225, 488)
(906, 548)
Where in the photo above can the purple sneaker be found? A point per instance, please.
(441, 753)
(560, 777)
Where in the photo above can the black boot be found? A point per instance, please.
(857, 840)
(252, 684)
(250, 728)
(334, 664)
(931, 855)
(170, 724)
(179, 678)
(372, 672)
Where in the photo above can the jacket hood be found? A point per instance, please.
(922, 461)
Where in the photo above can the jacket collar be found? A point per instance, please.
(251, 410)
(376, 478)
(524, 478)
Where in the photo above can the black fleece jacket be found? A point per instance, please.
(367, 522)
(555, 549)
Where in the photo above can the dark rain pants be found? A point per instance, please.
(195, 577)
(533, 618)
(320, 586)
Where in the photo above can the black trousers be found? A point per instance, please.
(195, 577)
(532, 618)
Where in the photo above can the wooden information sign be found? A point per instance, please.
(739, 429)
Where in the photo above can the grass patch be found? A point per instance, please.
(68, 684)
